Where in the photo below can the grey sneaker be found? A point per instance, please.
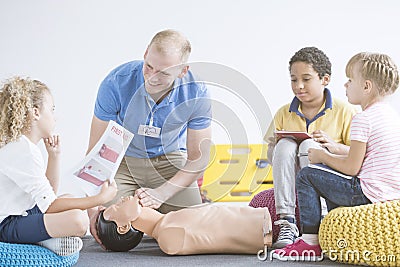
(288, 232)
(63, 246)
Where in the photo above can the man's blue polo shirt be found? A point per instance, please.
(123, 98)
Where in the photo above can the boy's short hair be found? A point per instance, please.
(316, 58)
(378, 68)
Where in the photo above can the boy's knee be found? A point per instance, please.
(287, 142)
(308, 143)
(285, 147)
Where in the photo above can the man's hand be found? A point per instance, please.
(93, 216)
(150, 197)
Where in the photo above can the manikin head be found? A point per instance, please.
(114, 228)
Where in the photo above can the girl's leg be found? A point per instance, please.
(64, 227)
(24, 229)
(38, 228)
(308, 184)
(312, 183)
(66, 223)
(309, 203)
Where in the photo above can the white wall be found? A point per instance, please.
(72, 44)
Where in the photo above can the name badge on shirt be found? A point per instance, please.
(150, 131)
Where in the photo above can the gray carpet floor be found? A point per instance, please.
(147, 253)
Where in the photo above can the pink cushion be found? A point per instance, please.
(266, 199)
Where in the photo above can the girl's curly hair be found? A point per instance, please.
(18, 97)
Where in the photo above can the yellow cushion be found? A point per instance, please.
(363, 235)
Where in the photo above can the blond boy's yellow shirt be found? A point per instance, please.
(334, 119)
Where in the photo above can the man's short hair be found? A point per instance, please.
(169, 41)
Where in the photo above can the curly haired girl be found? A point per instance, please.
(30, 211)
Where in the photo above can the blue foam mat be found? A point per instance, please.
(33, 255)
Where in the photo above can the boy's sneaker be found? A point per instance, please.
(299, 251)
(63, 246)
(288, 232)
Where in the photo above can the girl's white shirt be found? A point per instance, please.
(23, 181)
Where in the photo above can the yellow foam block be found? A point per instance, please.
(236, 173)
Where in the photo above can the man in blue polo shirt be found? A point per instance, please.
(159, 100)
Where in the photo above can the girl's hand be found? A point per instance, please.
(93, 217)
(315, 155)
(325, 141)
(53, 145)
(108, 192)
